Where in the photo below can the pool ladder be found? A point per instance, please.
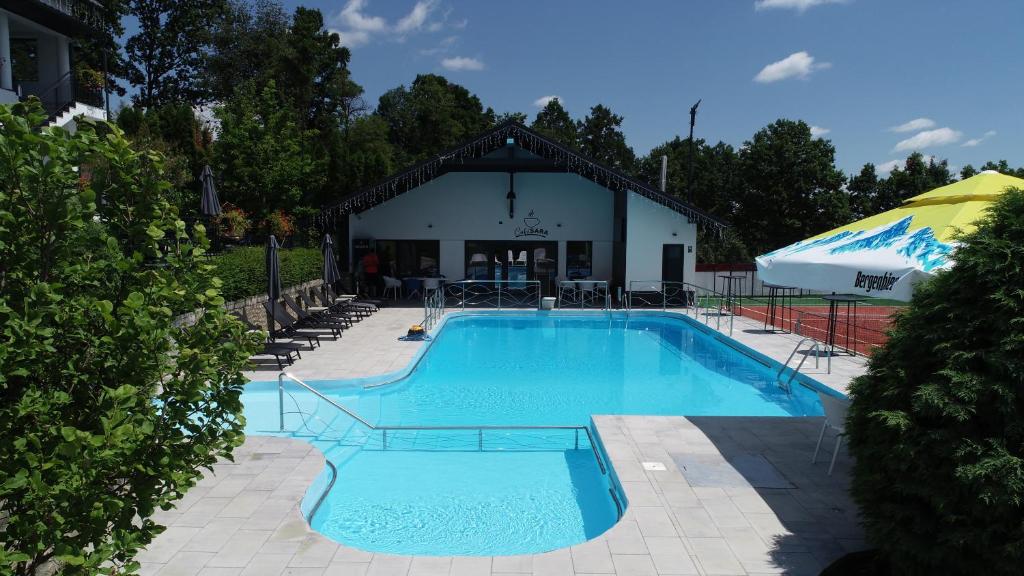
(816, 347)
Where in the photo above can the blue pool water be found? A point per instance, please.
(516, 491)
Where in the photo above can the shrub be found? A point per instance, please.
(937, 423)
(243, 270)
(107, 410)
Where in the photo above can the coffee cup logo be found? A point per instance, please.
(530, 228)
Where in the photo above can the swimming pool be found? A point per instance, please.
(498, 492)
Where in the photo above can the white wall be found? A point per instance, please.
(649, 226)
(472, 206)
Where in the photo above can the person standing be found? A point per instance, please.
(371, 271)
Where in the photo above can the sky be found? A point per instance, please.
(879, 78)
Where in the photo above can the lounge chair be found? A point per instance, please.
(324, 311)
(289, 326)
(308, 320)
(368, 304)
(292, 346)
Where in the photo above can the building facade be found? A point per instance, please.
(514, 205)
(37, 58)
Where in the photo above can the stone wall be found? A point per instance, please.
(252, 307)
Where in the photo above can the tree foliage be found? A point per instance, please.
(108, 409)
(937, 423)
(600, 137)
(166, 56)
(429, 116)
(554, 122)
(271, 159)
(792, 188)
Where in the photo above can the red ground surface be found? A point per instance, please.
(866, 329)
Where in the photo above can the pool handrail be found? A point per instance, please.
(385, 429)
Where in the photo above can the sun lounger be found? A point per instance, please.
(290, 327)
(326, 311)
(310, 321)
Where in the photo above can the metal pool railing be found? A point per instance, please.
(384, 430)
(433, 307)
(696, 299)
(498, 294)
(584, 294)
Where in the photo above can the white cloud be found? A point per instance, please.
(928, 138)
(796, 65)
(914, 125)
(415, 19)
(352, 17)
(975, 141)
(543, 100)
(356, 27)
(798, 5)
(443, 47)
(462, 63)
(818, 131)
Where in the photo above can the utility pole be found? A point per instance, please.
(689, 176)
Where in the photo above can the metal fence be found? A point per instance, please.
(498, 294)
(584, 294)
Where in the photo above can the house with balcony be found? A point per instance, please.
(37, 58)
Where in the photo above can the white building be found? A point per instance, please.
(37, 57)
(514, 205)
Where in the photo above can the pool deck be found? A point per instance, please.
(737, 495)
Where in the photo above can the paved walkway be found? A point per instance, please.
(736, 496)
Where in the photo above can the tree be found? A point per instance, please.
(792, 187)
(601, 138)
(518, 117)
(936, 426)
(244, 43)
(430, 116)
(1003, 167)
(967, 171)
(109, 408)
(183, 141)
(365, 155)
(166, 56)
(864, 191)
(916, 177)
(266, 160)
(554, 122)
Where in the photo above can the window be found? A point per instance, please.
(25, 59)
(401, 258)
(579, 259)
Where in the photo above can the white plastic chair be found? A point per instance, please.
(521, 261)
(394, 285)
(430, 285)
(835, 419)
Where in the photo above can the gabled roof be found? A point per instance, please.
(555, 157)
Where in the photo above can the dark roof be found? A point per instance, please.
(466, 156)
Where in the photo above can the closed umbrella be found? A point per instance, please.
(273, 270)
(331, 273)
(210, 203)
(886, 254)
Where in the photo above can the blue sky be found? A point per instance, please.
(857, 68)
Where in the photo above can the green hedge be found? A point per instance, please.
(244, 270)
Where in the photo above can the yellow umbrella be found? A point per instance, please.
(886, 254)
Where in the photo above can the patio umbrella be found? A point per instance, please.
(886, 254)
(210, 203)
(273, 270)
(330, 273)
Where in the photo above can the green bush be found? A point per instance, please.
(243, 271)
(937, 423)
(108, 411)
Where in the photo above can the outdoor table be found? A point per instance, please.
(834, 302)
(412, 286)
(728, 281)
(776, 293)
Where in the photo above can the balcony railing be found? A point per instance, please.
(89, 12)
